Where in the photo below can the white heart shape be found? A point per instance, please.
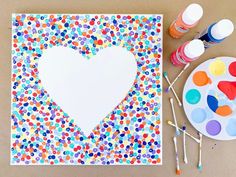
(87, 89)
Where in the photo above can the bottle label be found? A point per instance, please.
(180, 58)
(181, 29)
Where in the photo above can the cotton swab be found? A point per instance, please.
(168, 81)
(178, 172)
(191, 136)
(184, 144)
(171, 85)
(174, 116)
(200, 153)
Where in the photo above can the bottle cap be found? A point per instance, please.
(192, 14)
(194, 48)
(222, 29)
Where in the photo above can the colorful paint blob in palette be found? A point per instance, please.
(209, 98)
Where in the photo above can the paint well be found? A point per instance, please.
(232, 69)
(200, 78)
(213, 127)
(217, 67)
(198, 115)
(231, 127)
(193, 96)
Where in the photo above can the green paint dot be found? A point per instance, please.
(193, 96)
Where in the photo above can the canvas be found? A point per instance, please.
(86, 89)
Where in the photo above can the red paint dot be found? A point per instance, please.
(145, 135)
(232, 69)
(104, 32)
(91, 22)
(100, 42)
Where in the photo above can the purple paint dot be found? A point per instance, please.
(213, 127)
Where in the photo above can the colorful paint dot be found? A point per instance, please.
(232, 69)
(213, 127)
(213, 103)
(228, 88)
(217, 67)
(198, 115)
(224, 110)
(231, 127)
(200, 78)
(193, 96)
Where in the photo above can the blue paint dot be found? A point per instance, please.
(212, 103)
(193, 96)
(198, 115)
(231, 127)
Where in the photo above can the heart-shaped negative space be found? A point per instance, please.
(87, 89)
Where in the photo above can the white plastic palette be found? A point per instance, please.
(209, 98)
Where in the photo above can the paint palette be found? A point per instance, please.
(209, 98)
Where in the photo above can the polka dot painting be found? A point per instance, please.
(42, 133)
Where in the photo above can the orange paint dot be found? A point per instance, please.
(200, 78)
(109, 129)
(224, 110)
(67, 157)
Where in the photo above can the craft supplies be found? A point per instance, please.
(188, 52)
(216, 32)
(200, 153)
(186, 20)
(191, 136)
(178, 171)
(209, 98)
(184, 145)
(168, 81)
(182, 71)
(174, 116)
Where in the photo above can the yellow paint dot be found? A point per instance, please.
(217, 67)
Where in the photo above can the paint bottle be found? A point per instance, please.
(186, 20)
(188, 52)
(216, 33)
